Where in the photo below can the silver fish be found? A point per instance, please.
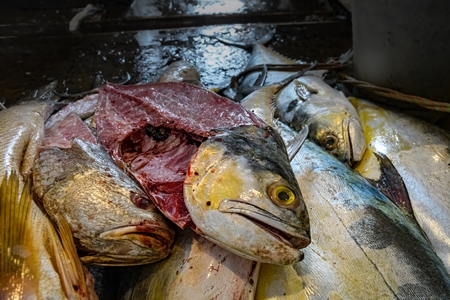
(36, 260)
(195, 269)
(307, 100)
(166, 149)
(333, 122)
(100, 202)
(420, 152)
(21, 134)
(363, 246)
(181, 71)
(243, 196)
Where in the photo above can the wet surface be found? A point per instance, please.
(75, 58)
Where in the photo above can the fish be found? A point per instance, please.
(304, 98)
(181, 71)
(173, 124)
(112, 219)
(420, 153)
(264, 201)
(21, 134)
(196, 269)
(37, 261)
(333, 122)
(363, 246)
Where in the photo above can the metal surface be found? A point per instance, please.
(142, 37)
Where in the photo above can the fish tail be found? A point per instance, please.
(18, 264)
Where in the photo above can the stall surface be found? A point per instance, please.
(41, 41)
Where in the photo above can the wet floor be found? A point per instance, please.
(140, 38)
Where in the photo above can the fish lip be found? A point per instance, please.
(149, 235)
(295, 237)
(355, 152)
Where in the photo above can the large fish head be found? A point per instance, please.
(340, 134)
(242, 194)
(122, 234)
(333, 122)
(112, 220)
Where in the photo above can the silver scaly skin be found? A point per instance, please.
(363, 246)
(309, 101)
(333, 122)
(195, 269)
(420, 153)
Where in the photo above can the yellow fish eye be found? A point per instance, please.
(282, 195)
(330, 142)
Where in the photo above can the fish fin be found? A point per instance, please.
(262, 77)
(294, 146)
(2, 106)
(391, 183)
(68, 263)
(248, 45)
(287, 80)
(18, 260)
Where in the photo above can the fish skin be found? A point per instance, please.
(420, 153)
(333, 122)
(196, 269)
(181, 71)
(363, 246)
(46, 265)
(224, 206)
(308, 100)
(21, 134)
(180, 117)
(83, 185)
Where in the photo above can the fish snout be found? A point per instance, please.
(145, 234)
(356, 141)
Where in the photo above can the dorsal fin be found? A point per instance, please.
(294, 145)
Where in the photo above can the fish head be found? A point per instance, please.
(242, 194)
(126, 237)
(112, 219)
(339, 133)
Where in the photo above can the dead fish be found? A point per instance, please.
(21, 134)
(307, 100)
(195, 269)
(112, 219)
(130, 230)
(420, 152)
(332, 120)
(36, 261)
(363, 246)
(181, 71)
(259, 213)
(164, 124)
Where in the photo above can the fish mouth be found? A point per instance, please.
(142, 234)
(293, 236)
(356, 141)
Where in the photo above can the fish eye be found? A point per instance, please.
(330, 142)
(282, 195)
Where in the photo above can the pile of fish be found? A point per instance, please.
(187, 194)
